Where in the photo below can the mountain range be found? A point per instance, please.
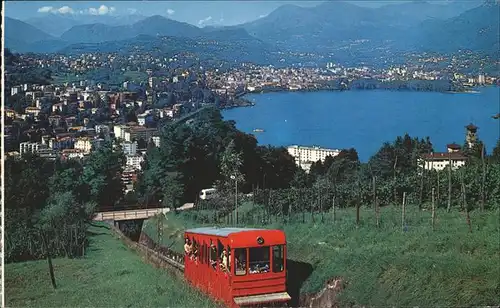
(56, 24)
(332, 26)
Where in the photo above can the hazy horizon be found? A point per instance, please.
(198, 13)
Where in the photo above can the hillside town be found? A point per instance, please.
(70, 118)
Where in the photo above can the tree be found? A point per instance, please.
(172, 189)
(495, 155)
(230, 166)
(102, 175)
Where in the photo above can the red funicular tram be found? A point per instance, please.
(240, 266)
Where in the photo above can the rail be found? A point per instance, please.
(163, 253)
(173, 258)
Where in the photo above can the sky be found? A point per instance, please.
(200, 13)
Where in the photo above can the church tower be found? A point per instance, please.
(471, 135)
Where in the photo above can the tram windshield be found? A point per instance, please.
(278, 258)
(240, 259)
(259, 260)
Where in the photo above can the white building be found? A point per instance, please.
(129, 148)
(31, 147)
(84, 144)
(136, 133)
(15, 90)
(440, 161)
(134, 161)
(72, 154)
(305, 156)
(141, 119)
(481, 79)
(156, 141)
(102, 129)
(119, 131)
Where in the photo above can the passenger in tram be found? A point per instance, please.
(194, 252)
(224, 260)
(240, 265)
(213, 254)
(187, 247)
(259, 268)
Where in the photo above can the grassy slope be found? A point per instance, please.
(110, 275)
(447, 267)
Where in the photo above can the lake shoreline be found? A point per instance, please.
(365, 120)
(243, 102)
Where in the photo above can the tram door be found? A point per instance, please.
(222, 273)
(212, 270)
(195, 267)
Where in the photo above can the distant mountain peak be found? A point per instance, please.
(156, 17)
(491, 3)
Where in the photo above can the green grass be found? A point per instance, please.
(386, 266)
(136, 76)
(66, 77)
(110, 275)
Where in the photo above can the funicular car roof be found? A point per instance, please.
(224, 232)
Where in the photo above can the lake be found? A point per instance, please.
(364, 120)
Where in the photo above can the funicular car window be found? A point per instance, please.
(278, 255)
(240, 259)
(213, 255)
(187, 245)
(222, 256)
(229, 259)
(203, 249)
(206, 252)
(259, 260)
(194, 250)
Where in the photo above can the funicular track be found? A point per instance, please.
(172, 258)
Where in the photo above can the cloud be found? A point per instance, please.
(65, 10)
(45, 9)
(262, 16)
(62, 10)
(102, 10)
(170, 12)
(132, 11)
(204, 21)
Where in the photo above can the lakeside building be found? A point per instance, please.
(441, 161)
(304, 156)
(31, 147)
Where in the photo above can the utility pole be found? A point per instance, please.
(233, 177)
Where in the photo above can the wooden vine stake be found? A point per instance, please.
(403, 212)
(375, 203)
(358, 203)
(437, 190)
(449, 183)
(464, 202)
(422, 175)
(483, 179)
(433, 210)
(333, 208)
